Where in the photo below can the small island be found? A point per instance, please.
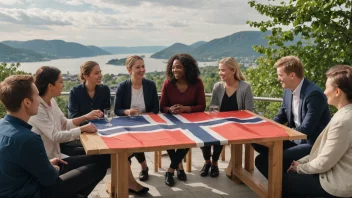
(119, 62)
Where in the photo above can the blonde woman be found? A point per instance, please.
(232, 93)
(135, 96)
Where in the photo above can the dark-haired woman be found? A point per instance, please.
(134, 96)
(326, 171)
(54, 128)
(182, 92)
(85, 97)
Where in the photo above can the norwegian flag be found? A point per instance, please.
(196, 128)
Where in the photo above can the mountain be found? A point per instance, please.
(10, 54)
(57, 48)
(197, 44)
(133, 50)
(176, 48)
(234, 45)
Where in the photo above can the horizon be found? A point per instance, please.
(124, 23)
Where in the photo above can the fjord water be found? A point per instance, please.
(72, 65)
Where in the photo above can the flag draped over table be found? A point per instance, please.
(196, 128)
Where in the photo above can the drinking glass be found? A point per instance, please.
(108, 114)
(213, 110)
(135, 107)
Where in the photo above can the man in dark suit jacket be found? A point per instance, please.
(304, 108)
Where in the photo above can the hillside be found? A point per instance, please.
(133, 50)
(173, 49)
(58, 48)
(235, 45)
(10, 54)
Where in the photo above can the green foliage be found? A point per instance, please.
(325, 32)
(5, 71)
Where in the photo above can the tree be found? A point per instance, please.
(319, 32)
(5, 71)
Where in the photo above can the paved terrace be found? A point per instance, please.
(195, 186)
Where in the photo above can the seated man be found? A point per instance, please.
(304, 108)
(25, 170)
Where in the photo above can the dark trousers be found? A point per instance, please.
(176, 156)
(79, 176)
(139, 156)
(302, 185)
(72, 148)
(206, 150)
(291, 152)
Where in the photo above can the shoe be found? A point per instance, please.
(169, 179)
(181, 175)
(205, 170)
(140, 192)
(143, 175)
(214, 171)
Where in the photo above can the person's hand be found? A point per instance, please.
(57, 161)
(56, 167)
(95, 114)
(180, 109)
(133, 112)
(173, 108)
(89, 128)
(293, 167)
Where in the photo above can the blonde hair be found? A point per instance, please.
(291, 64)
(86, 68)
(233, 64)
(131, 60)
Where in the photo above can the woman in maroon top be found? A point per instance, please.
(182, 92)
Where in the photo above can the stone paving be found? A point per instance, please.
(195, 186)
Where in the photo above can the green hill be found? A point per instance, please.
(58, 48)
(235, 45)
(173, 49)
(10, 54)
(133, 50)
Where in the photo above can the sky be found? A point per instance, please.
(124, 22)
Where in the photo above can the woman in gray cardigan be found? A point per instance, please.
(231, 94)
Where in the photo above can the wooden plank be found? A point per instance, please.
(189, 161)
(249, 158)
(156, 160)
(122, 175)
(275, 170)
(236, 160)
(223, 153)
(252, 182)
(113, 184)
(159, 159)
(93, 144)
(293, 134)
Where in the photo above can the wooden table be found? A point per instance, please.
(94, 145)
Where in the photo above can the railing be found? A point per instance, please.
(208, 95)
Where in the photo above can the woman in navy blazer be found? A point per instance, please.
(135, 96)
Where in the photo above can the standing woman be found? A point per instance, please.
(135, 96)
(182, 92)
(231, 94)
(85, 97)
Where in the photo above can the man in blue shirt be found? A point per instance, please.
(25, 170)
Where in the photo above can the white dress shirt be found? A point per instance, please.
(137, 99)
(295, 103)
(53, 127)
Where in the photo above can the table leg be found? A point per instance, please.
(119, 175)
(236, 160)
(275, 170)
(156, 161)
(159, 159)
(189, 161)
(249, 158)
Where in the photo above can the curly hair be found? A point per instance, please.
(190, 65)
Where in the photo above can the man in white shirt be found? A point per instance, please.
(304, 108)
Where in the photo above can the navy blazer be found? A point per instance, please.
(124, 96)
(313, 111)
(80, 103)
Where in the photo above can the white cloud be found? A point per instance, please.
(127, 22)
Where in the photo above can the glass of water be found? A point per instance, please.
(213, 110)
(136, 108)
(108, 114)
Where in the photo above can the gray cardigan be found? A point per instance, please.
(244, 95)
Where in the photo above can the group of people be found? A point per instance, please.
(41, 155)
